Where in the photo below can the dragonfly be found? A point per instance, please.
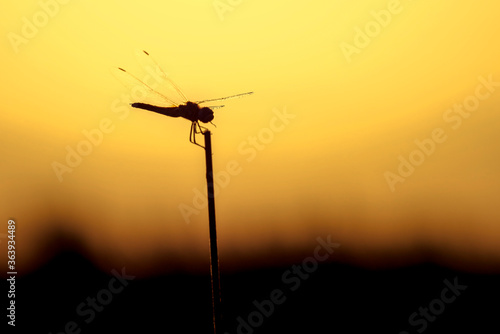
(187, 109)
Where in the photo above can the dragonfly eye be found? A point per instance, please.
(206, 115)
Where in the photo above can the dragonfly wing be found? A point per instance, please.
(150, 65)
(215, 107)
(226, 98)
(140, 90)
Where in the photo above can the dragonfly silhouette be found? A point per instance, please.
(188, 109)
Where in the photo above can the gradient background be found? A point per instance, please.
(324, 174)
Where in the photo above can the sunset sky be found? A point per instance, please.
(375, 122)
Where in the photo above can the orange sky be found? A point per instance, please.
(375, 122)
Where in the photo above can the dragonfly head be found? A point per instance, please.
(206, 115)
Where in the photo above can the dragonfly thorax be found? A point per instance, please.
(193, 112)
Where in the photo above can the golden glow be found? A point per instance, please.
(320, 172)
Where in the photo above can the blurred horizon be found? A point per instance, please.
(386, 299)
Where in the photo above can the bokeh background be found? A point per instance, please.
(359, 84)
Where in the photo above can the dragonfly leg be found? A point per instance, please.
(195, 128)
(199, 128)
(202, 129)
(191, 133)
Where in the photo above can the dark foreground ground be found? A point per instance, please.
(334, 298)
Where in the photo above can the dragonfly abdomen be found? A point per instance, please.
(167, 111)
(190, 111)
